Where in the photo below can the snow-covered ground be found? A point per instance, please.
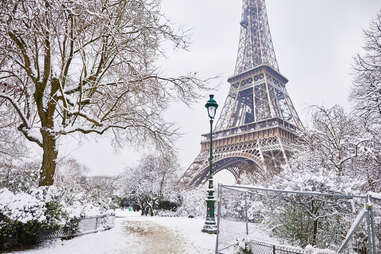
(135, 234)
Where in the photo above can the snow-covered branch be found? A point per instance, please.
(17, 108)
(90, 68)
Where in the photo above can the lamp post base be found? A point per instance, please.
(210, 227)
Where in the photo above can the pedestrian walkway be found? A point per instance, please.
(134, 234)
(150, 237)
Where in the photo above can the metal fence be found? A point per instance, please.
(270, 248)
(95, 224)
(364, 236)
(86, 225)
(270, 220)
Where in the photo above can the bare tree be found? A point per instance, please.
(88, 67)
(335, 138)
(13, 154)
(340, 143)
(151, 180)
(339, 155)
(70, 174)
(11, 143)
(366, 92)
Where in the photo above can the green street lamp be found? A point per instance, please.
(210, 225)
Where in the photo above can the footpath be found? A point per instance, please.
(135, 234)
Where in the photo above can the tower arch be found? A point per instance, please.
(240, 165)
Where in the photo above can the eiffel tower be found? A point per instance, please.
(258, 125)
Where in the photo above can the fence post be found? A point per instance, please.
(371, 214)
(247, 219)
(219, 197)
(273, 249)
(358, 220)
(370, 226)
(96, 223)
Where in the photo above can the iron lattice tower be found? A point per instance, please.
(257, 129)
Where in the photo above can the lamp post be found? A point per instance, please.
(210, 225)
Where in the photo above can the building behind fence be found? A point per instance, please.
(271, 220)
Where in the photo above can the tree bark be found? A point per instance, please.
(49, 157)
(152, 206)
(49, 139)
(315, 225)
(142, 206)
(315, 232)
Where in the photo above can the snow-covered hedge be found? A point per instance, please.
(31, 215)
(26, 216)
(21, 207)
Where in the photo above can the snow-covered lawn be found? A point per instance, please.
(135, 234)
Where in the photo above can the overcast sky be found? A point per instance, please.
(314, 41)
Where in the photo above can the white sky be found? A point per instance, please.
(314, 42)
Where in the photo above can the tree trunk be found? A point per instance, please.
(49, 157)
(152, 206)
(142, 206)
(49, 140)
(315, 233)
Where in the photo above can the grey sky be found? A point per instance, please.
(314, 43)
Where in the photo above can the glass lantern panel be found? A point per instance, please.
(211, 111)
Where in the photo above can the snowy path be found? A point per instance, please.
(134, 234)
(186, 235)
(153, 238)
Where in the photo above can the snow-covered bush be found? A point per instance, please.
(311, 250)
(151, 181)
(21, 207)
(168, 205)
(168, 208)
(16, 171)
(166, 213)
(26, 217)
(242, 247)
(29, 213)
(255, 211)
(337, 155)
(17, 175)
(83, 196)
(192, 202)
(310, 219)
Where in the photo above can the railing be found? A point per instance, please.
(94, 224)
(256, 126)
(86, 226)
(269, 248)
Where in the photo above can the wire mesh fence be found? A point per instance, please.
(377, 223)
(96, 223)
(272, 221)
(364, 235)
(270, 248)
(85, 226)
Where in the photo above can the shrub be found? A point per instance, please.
(72, 226)
(192, 203)
(242, 247)
(167, 205)
(25, 218)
